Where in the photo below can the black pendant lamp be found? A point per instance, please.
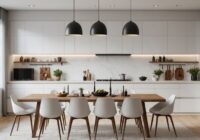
(130, 28)
(73, 28)
(98, 28)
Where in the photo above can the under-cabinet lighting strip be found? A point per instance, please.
(54, 55)
(93, 55)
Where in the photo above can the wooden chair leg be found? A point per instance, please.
(141, 126)
(42, 127)
(45, 124)
(18, 123)
(70, 126)
(96, 128)
(31, 124)
(156, 124)
(58, 123)
(114, 127)
(167, 123)
(152, 118)
(173, 124)
(95, 124)
(61, 124)
(13, 125)
(120, 126)
(88, 127)
(124, 127)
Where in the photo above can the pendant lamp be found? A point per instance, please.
(98, 28)
(73, 28)
(130, 28)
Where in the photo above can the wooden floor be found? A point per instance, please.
(191, 122)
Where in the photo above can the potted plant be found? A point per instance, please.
(81, 92)
(57, 74)
(194, 73)
(157, 73)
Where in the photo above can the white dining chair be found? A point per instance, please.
(20, 109)
(163, 109)
(50, 109)
(63, 107)
(105, 109)
(79, 109)
(132, 109)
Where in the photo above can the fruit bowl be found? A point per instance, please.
(62, 94)
(100, 93)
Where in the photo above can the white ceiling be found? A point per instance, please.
(104, 4)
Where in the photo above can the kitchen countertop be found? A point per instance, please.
(103, 82)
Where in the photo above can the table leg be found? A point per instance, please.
(145, 121)
(36, 122)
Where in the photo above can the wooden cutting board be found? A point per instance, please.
(168, 74)
(179, 73)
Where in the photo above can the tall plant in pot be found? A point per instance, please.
(57, 74)
(194, 73)
(157, 73)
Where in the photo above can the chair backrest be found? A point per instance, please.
(170, 104)
(105, 108)
(79, 107)
(50, 108)
(132, 108)
(16, 106)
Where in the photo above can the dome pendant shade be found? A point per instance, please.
(98, 28)
(73, 28)
(130, 28)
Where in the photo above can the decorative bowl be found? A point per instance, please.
(142, 78)
(100, 93)
(62, 94)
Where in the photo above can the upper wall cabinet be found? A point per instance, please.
(133, 44)
(83, 43)
(154, 37)
(183, 37)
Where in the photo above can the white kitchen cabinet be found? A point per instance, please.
(17, 34)
(154, 37)
(114, 45)
(83, 44)
(177, 37)
(114, 28)
(99, 44)
(133, 44)
(69, 47)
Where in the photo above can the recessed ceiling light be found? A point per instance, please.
(31, 5)
(156, 5)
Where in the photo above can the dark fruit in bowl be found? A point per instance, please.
(143, 78)
(100, 93)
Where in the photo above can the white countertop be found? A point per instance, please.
(103, 82)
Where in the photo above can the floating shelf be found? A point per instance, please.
(41, 63)
(176, 63)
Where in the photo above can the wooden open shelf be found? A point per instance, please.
(175, 63)
(41, 63)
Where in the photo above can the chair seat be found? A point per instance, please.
(26, 111)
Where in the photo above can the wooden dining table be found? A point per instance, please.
(147, 97)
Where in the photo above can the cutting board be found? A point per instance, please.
(179, 73)
(168, 74)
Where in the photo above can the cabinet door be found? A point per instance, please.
(99, 44)
(17, 34)
(177, 37)
(54, 40)
(114, 44)
(133, 44)
(83, 43)
(154, 37)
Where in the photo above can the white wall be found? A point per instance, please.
(42, 32)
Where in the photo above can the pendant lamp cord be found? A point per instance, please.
(73, 9)
(98, 11)
(130, 10)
